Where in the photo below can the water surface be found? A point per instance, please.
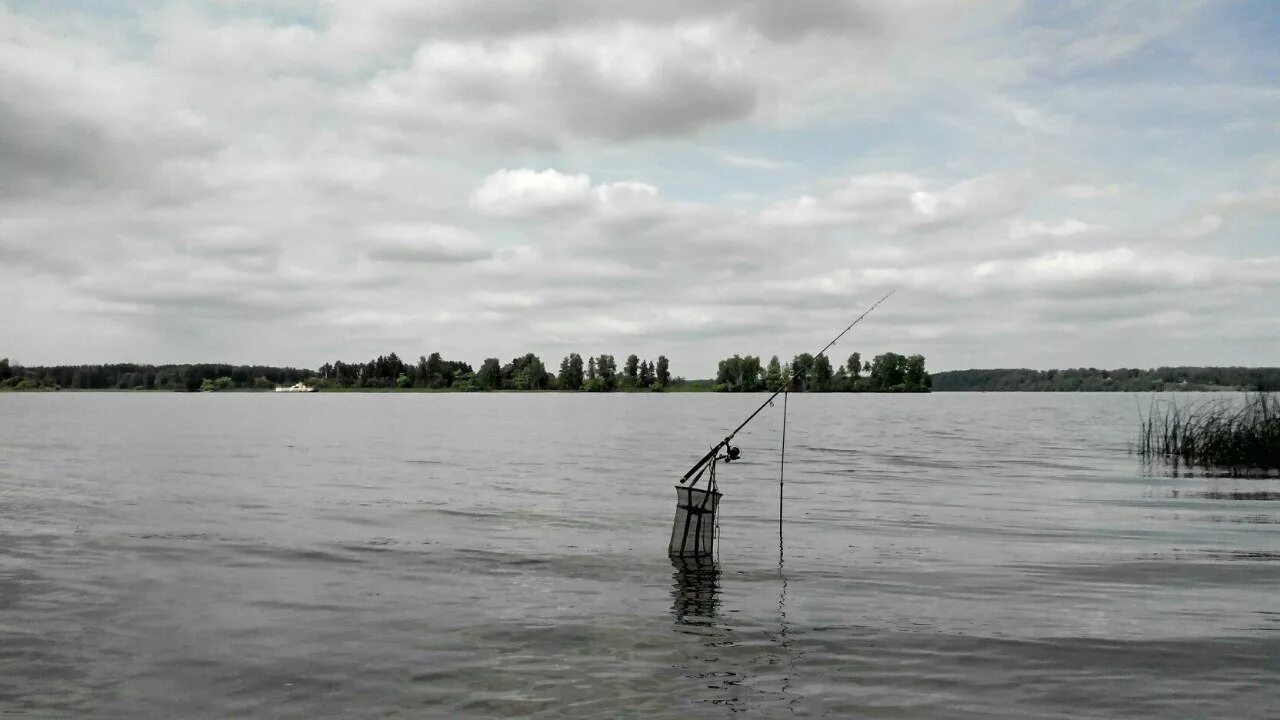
(945, 556)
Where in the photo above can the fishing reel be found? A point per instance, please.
(731, 453)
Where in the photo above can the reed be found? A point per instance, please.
(1218, 434)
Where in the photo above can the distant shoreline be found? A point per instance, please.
(1164, 379)
(667, 391)
(527, 375)
(673, 390)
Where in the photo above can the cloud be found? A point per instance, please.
(299, 182)
(617, 84)
(805, 211)
(1123, 270)
(403, 22)
(523, 192)
(901, 203)
(505, 300)
(1265, 199)
(423, 243)
(1020, 229)
(747, 161)
(1086, 191)
(228, 241)
(74, 116)
(1200, 227)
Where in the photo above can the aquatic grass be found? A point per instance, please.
(1244, 438)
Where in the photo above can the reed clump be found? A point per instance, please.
(1220, 434)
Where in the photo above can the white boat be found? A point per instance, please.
(299, 387)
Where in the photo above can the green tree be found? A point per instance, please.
(433, 371)
(607, 372)
(526, 372)
(646, 374)
(855, 366)
(570, 377)
(914, 375)
(773, 375)
(591, 370)
(801, 365)
(575, 370)
(739, 374)
(562, 381)
(841, 382)
(489, 376)
(664, 372)
(887, 371)
(631, 371)
(419, 372)
(820, 375)
(216, 384)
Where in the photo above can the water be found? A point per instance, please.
(300, 556)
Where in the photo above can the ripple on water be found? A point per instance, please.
(504, 556)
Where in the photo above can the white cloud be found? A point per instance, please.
(505, 300)
(1020, 229)
(1265, 199)
(423, 243)
(523, 192)
(1200, 227)
(610, 84)
(805, 211)
(625, 196)
(748, 161)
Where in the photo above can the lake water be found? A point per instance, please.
(474, 556)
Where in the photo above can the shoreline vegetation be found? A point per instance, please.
(1163, 379)
(1242, 438)
(888, 372)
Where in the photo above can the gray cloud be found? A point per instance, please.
(544, 91)
(406, 21)
(491, 177)
(424, 243)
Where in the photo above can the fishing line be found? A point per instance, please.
(785, 387)
(685, 507)
(782, 468)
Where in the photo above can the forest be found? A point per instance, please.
(131, 376)
(1165, 379)
(888, 372)
(527, 372)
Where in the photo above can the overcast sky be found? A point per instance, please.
(1046, 184)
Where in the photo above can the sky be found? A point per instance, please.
(1043, 184)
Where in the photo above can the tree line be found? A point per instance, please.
(527, 372)
(430, 372)
(1167, 379)
(132, 376)
(887, 372)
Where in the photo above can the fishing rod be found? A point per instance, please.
(795, 373)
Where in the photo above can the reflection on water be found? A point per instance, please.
(1230, 495)
(740, 667)
(787, 657)
(695, 592)
(695, 604)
